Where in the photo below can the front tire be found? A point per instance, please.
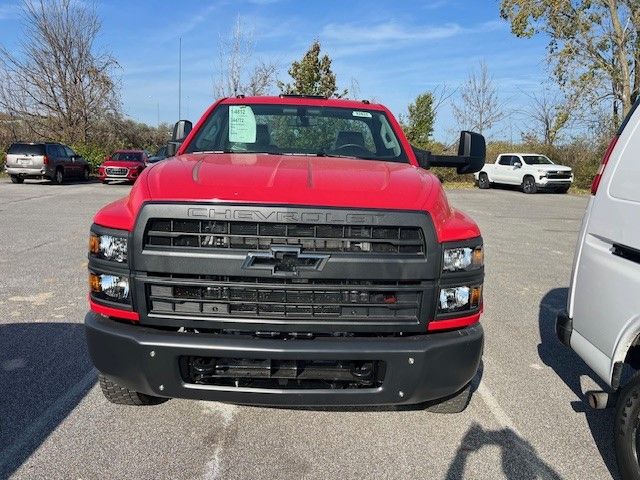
(16, 179)
(123, 396)
(529, 185)
(626, 433)
(483, 181)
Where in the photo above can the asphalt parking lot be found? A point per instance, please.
(525, 421)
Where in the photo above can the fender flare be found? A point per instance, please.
(626, 339)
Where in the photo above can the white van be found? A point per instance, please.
(602, 321)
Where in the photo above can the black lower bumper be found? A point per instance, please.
(564, 327)
(417, 368)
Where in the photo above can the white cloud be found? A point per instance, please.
(387, 32)
(345, 39)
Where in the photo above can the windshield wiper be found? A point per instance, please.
(324, 153)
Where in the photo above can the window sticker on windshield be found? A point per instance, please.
(242, 124)
(357, 113)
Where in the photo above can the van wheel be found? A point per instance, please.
(16, 179)
(627, 434)
(123, 396)
(58, 177)
(456, 403)
(483, 181)
(529, 184)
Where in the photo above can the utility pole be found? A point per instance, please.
(180, 81)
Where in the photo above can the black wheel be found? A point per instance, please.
(58, 176)
(123, 396)
(483, 181)
(85, 174)
(16, 179)
(626, 432)
(456, 403)
(529, 185)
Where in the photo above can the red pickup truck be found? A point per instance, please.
(296, 251)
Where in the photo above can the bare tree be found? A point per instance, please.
(480, 108)
(58, 85)
(546, 115)
(238, 73)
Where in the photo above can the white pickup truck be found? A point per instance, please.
(531, 171)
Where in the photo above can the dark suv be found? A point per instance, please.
(54, 161)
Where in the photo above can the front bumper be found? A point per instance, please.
(130, 176)
(545, 182)
(418, 368)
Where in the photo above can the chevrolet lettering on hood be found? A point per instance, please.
(256, 215)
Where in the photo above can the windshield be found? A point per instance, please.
(299, 130)
(127, 156)
(536, 160)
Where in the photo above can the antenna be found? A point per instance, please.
(180, 80)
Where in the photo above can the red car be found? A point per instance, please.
(123, 165)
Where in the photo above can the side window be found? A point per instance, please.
(52, 151)
(68, 151)
(505, 160)
(515, 159)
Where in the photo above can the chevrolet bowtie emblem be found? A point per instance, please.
(284, 260)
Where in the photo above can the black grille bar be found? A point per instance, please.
(221, 234)
(389, 302)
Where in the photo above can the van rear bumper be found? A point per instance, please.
(27, 172)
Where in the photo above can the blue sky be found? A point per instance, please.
(393, 50)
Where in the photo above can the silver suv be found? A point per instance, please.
(602, 321)
(54, 161)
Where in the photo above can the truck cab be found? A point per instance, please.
(294, 251)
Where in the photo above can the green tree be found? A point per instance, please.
(418, 126)
(312, 75)
(594, 45)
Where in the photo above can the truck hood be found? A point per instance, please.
(287, 179)
(121, 163)
(551, 168)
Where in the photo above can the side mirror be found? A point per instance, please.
(472, 151)
(181, 129)
(517, 165)
(473, 147)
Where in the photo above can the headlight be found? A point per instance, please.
(109, 287)
(462, 258)
(108, 247)
(456, 299)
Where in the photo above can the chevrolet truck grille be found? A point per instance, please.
(221, 234)
(283, 298)
(555, 175)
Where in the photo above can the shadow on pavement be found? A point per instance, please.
(45, 371)
(519, 459)
(570, 367)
